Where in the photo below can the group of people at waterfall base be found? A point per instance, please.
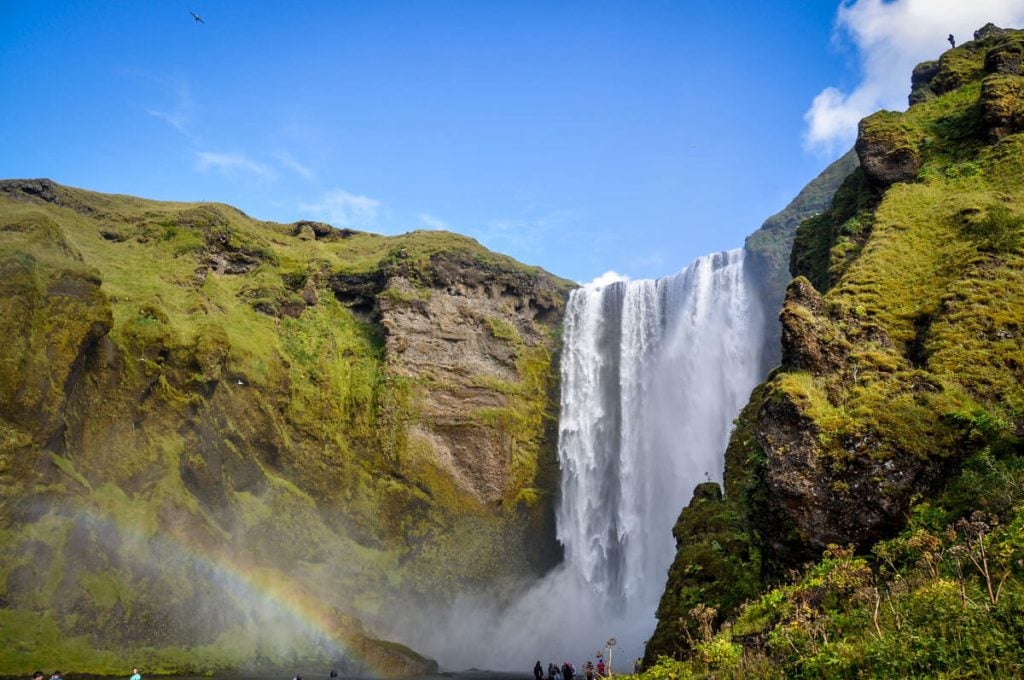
(568, 672)
(39, 675)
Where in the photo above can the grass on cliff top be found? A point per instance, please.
(176, 224)
(147, 254)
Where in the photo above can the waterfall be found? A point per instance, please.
(653, 373)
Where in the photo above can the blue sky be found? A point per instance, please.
(579, 136)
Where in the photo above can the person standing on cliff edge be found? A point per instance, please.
(952, 40)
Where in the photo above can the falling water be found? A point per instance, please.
(653, 373)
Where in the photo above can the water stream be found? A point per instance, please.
(653, 372)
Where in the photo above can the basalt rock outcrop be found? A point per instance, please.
(228, 443)
(898, 400)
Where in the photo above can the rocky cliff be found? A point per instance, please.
(768, 249)
(227, 443)
(871, 523)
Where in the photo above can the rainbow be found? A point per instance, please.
(252, 583)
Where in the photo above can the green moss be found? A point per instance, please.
(503, 330)
(996, 229)
(957, 68)
(31, 640)
(825, 245)
(894, 129)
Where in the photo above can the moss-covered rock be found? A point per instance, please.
(1002, 104)
(225, 436)
(889, 150)
(825, 245)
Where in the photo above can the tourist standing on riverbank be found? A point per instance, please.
(135, 674)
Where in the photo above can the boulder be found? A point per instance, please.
(889, 149)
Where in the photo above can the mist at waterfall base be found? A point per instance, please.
(653, 374)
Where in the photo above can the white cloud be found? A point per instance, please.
(890, 38)
(607, 278)
(289, 162)
(431, 222)
(231, 163)
(343, 209)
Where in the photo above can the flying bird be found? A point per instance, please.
(199, 19)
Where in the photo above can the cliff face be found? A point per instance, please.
(768, 248)
(258, 442)
(885, 450)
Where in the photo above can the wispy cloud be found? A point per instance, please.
(431, 222)
(890, 37)
(181, 113)
(343, 209)
(525, 236)
(232, 163)
(289, 162)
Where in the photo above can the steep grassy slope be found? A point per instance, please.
(228, 442)
(873, 516)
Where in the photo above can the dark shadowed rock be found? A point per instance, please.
(320, 230)
(858, 501)
(920, 81)
(1005, 59)
(809, 343)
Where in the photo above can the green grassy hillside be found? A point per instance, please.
(223, 442)
(873, 517)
